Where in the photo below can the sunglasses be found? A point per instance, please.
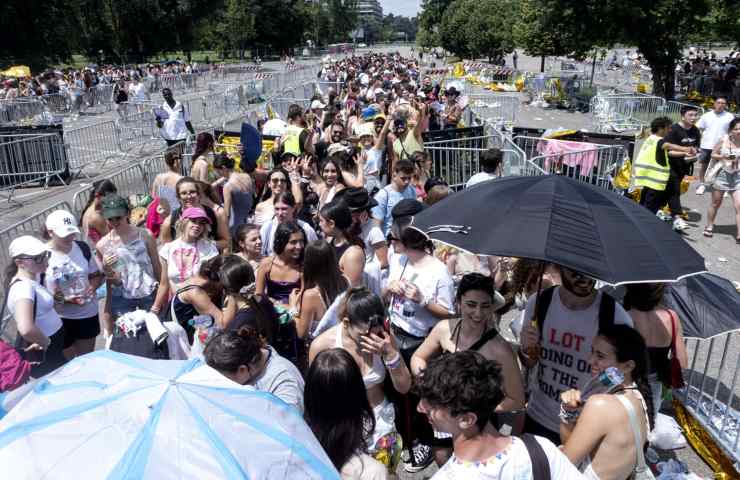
(278, 180)
(38, 259)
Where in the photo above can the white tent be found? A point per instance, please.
(116, 416)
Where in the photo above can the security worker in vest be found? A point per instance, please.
(651, 170)
(296, 138)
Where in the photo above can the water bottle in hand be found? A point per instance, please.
(605, 382)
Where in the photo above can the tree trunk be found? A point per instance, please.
(542, 64)
(593, 71)
(664, 78)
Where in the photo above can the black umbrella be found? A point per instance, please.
(563, 221)
(707, 305)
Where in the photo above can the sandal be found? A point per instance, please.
(709, 232)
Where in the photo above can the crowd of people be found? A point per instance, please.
(706, 146)
(308, 281)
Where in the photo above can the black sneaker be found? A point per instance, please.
(421, 457)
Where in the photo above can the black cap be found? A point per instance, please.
(406, 207)
(357, 198)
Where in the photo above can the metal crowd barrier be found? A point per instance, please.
(30, 158)
(672, 109)
(624, 112)
(710, 394)
(17, 109)
(92, 146)
(493, 108)
(585, 162)
(457, 159)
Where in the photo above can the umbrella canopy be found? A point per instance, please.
(563, 221)
(17, 71)
(707, 305)
(116, 416)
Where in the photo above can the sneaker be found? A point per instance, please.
(421, 457)
(666, 217)
(701, 189)
(679, 225)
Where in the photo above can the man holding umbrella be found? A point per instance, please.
(569, 316)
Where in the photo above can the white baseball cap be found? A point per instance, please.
(317, 105)
(62, 223)
(26, 246)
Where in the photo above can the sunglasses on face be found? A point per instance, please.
(278, 180)
(38, 259)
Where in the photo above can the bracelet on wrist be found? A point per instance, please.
(393, 362)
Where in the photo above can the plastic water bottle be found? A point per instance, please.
(605, 382)
(201, 321)
(409, 306)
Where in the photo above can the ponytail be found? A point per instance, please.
(10, 270)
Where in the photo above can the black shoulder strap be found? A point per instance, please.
(540, 464)
(606, 311)
(542, 306)
(485, 338)
(85, 248)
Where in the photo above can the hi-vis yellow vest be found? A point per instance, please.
(291, 140)
(648, 172)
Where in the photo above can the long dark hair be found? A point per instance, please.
(341, 423)
(337, 166)
(268, 191)
(203, 142)
(339, 213)
(321, 269)
(241, 233)
(227, 351)
(413, 239)
(644, 296)
(629, 345)
(236, 273)
(282, 236)
(101, 188)
(362, 307)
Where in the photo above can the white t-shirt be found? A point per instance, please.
(74, 265)
(184, 259)
(138, 92)
(363, 467)
(47, 319)
(435, 283)
(480, 177)
(513, 463)
(173, 127)
(566, 348)
(371, 234)
(713, 127)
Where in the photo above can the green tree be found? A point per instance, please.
(538, 30)
(240, 25)
(36, 33)
(475, 28)
(430, 18)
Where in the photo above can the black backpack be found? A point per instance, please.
(606, 309)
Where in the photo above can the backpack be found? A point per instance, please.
(540, 463)
(14, 370)
(606, 309)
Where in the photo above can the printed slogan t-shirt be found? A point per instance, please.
(566, 348)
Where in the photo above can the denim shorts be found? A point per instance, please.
(121, 305)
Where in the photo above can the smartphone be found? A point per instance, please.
(35, 356)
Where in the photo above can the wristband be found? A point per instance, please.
(394, 362)
(567, 416)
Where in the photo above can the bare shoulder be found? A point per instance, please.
(324, 341)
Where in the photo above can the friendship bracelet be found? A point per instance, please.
(394, 362)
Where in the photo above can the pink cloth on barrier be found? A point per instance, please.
(570, 153)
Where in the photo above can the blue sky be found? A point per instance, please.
(407, 8)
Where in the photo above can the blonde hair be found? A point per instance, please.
(181, 224)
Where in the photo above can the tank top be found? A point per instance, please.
(279, 291)
(135, 269)
(487, 336)
(407, 148)
(241, 205)
(184, 312)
